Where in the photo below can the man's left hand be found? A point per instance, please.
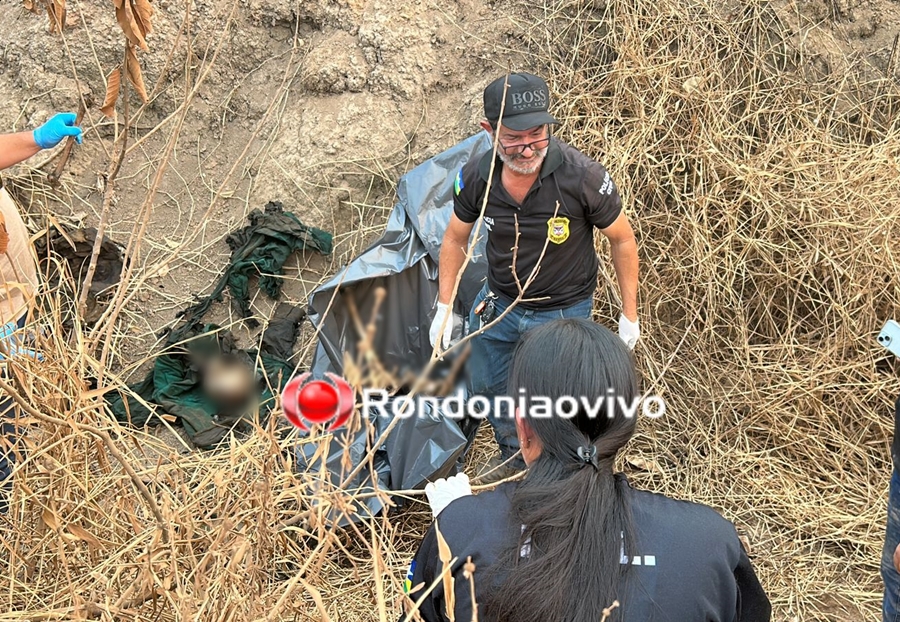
(629, 331)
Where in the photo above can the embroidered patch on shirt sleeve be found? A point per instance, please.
(607, 186)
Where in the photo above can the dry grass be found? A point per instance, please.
(762, 189)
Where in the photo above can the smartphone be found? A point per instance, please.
(889, 337)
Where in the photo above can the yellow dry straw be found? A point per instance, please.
(762, 187)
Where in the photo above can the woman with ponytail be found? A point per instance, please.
(573, 537)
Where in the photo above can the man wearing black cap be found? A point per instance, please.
(545, 197)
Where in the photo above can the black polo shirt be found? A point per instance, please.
(587, 198)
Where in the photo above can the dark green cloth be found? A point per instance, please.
(175, 385)
(261, 248)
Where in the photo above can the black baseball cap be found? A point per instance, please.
(527, 100)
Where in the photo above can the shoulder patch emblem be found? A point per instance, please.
(458, 185)
(407, 583)
(558, 229)
(607, 186)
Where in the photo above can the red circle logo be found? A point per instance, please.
(318, 401)
(307, 402)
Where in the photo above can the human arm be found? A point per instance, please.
(752, 603)
(15, 148)
(624, 252)
(12, 340)
(419, 578)
(450, 260)
(453, 254)
(604, 210)
(427, 571)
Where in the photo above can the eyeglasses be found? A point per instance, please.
(517, 149)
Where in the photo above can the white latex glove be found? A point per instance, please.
(442, 311)
(629, 331)
(443, 491)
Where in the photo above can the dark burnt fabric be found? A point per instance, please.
(260, 249)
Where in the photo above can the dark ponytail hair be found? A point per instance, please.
(574, 509)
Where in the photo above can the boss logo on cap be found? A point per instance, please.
(529, 99)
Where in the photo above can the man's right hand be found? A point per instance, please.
(442, 312)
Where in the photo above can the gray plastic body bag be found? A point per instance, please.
(404, 261)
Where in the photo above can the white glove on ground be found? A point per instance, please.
(629, 331)
(442, 311)
(444, 491)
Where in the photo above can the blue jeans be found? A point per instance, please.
(9, 436)
(488, 366)
(889, 574)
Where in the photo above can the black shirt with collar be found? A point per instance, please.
(587, 198)
(689, 563)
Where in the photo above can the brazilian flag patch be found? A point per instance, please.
(458, 185)
(407, 584)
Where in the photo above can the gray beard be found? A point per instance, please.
(512, 162)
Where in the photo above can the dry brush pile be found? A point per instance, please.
(761, 184)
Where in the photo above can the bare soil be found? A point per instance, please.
(320, 105)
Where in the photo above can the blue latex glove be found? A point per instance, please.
(56, 130)
(11, 343)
